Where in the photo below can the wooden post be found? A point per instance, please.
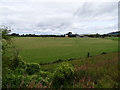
(88, 55)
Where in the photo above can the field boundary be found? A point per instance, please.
(71, 59)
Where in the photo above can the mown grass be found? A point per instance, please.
(49, 49)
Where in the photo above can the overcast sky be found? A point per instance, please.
(59, 16)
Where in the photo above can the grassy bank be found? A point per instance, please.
(102, 69)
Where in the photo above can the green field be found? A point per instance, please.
(49, 49)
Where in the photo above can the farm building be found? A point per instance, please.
(66, 35)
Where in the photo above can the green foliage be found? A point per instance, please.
(22, 64)
(6, 53)
(18, 62)
(5, 32)
(11, 73)
(44, 74)
(9, 54)
(11, 79)
(19, 71)
(32, 68)
(63, 75)
(44, 77)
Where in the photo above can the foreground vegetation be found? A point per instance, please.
(49, 49)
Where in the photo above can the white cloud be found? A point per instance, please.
(59, 16)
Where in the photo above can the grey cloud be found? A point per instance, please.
(57, 18)
(97, 10)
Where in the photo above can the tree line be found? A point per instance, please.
(69, 35)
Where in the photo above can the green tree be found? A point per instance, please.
(69, 33)
(5, 31)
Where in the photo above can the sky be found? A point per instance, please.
(59, 16)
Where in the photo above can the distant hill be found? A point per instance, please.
(114, 33)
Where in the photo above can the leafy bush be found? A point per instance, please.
(44, 74)
(22, 64)
(10, 55)
(19, 71)
(63, 75)
(11, 79)
(45, 77)
(35, 81)
(15, 62)
(7, 53)
(11, 73)
(32, 68)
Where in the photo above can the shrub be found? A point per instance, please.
(18, 62)
(11, 79)
(32, 68)
(63, 75)
(44, 74)
(47, 76)
(22, 64)
(15, 62)
(7, 53)
(10, 55)
(19, 71)
(35, 81)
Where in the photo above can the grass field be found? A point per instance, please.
(49, 49)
